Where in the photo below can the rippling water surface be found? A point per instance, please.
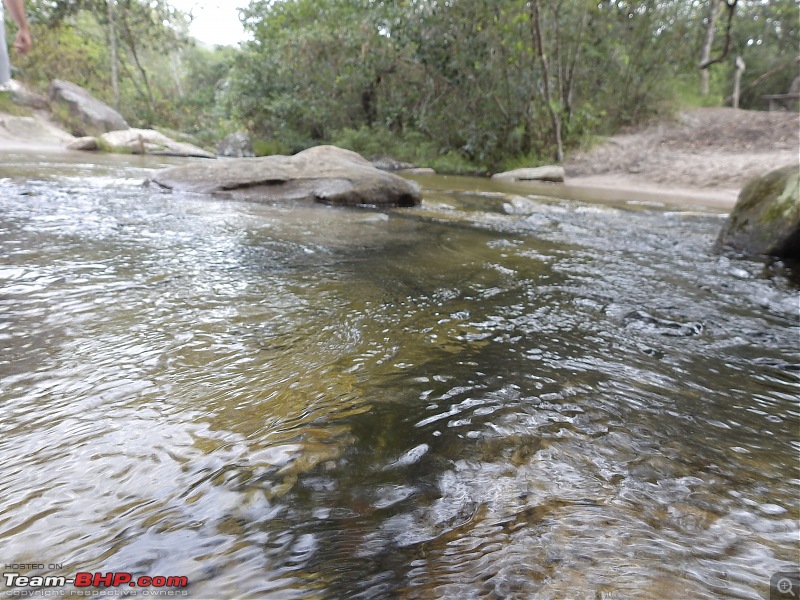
(493, 396)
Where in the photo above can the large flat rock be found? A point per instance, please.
(324, 174)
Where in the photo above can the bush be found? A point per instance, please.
(452, 163)
(8, 106)
(411, 147)
(270, 147)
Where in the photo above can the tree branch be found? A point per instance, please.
(730, 5)
(766, 75)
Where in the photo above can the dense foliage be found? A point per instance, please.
(460, 84)
(493, 83)
(134, 55)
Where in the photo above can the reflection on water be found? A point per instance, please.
(492, 396)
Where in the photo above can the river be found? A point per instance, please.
(493, 396)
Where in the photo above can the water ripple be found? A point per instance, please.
(491, 396)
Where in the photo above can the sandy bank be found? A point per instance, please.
(703, 157)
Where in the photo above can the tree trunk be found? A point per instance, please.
(730, 6)
(737, 80)
(569, 98)
(705, 52)
(130, 42)
(176, 74)
(555, 117)
(112, 42)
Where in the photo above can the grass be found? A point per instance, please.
(8, 106)
(270, 147)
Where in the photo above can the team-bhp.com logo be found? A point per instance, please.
(94, 580)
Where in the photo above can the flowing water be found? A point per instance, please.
(492, 396)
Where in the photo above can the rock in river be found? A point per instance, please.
(766, 218)
(149, 141)
(553, 173)
(325, 174)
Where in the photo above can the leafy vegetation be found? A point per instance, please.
(8, 106)
(460, 85)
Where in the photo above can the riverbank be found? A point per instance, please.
(702, 158)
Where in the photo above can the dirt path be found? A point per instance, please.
(706, 152)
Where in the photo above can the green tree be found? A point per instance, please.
(158, 76)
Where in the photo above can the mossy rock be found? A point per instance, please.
(766, 218)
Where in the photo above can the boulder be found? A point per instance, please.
(766, 218)
(549, 173)
(325, 174)
(236, 145)
(148, 141)
(81, 112)
(87, 143)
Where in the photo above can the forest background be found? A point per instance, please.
(463, 86)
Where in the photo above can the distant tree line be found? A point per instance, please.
(474, 85)
(135, 55)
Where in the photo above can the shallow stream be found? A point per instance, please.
(494, 396)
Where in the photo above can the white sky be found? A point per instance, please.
(215, 22)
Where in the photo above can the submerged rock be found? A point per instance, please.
(766, 218)
(81, 112)
(325, 174)
(549, 173)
